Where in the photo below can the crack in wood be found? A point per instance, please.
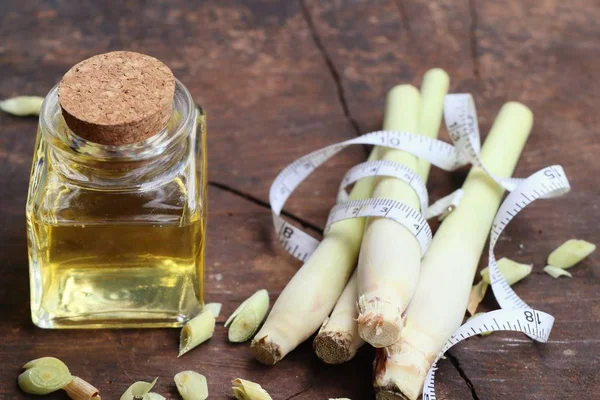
(456, 363)
(474, 44)
(331, 67)
(405, 19)
(305, 224)
(300, 392)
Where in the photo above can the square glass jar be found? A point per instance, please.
(116, 233)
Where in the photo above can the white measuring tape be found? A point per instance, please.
(515, 314)
(461, 121)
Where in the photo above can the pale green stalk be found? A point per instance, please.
(338, 339)
(390, 256)
(438, 305)
(312, 293)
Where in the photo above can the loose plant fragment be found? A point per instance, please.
(570, 253)
(44, 375)
(246, 319)
(511, 270)
(191, 385)
(22, 105)
(476, 296)
(138, 390)
(214, 308)
(247, 390)
(196, 331)
(48, 374)
(556, 272)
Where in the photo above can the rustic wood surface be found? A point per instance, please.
(280, 79)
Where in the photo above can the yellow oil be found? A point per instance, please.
(116, 236)
(116, 275)
(114, 259)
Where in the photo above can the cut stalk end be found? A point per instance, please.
(400, 371)
(265, 351)
(334, 347)
(79, 389)
(379, 323)
(378, 332)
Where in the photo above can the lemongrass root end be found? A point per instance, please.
(379, 331)
(334, 347)
(265, 351)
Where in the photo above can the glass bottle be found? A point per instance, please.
(116, 232)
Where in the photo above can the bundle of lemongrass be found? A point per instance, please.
(405, 305)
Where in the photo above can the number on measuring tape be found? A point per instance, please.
(515, 314)
(461, 121)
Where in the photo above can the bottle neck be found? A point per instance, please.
(128, 167)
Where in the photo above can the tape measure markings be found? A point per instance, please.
(461, 121)
(547, 182)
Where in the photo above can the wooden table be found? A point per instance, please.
(280, 79)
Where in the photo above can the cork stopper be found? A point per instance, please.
(117, 98)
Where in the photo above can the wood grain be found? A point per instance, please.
(278, 80)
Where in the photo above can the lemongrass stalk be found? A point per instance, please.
(438, 306)
(338, 338)
(312, 293)
(390, 256)
(433, 91)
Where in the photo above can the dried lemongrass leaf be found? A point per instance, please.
(570, 253)
(238, 393)
(196, 331)
(44, 375)
(22, 105)
(138, 390)
(556, 272)
(214, 308)
(78, 389)
(248, 390)
(247, 318)
(476, 296)
(191, 385)
(154, 396)
(511, 270)
(477, 315)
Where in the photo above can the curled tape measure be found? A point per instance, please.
(461, 121)
(515, 314)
